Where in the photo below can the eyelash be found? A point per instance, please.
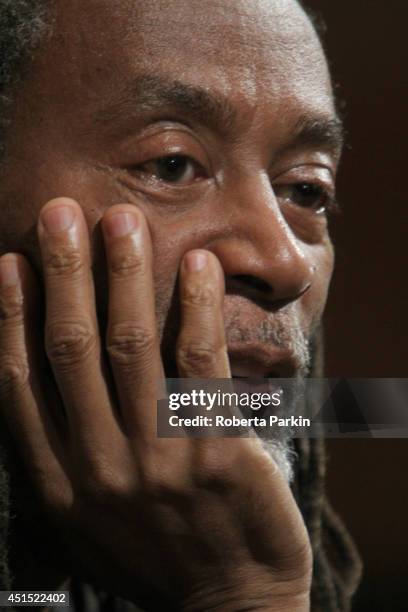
(176, 159)
(323, 196)
(321, 193)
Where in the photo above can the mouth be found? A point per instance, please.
(261, 361)
(255, 361)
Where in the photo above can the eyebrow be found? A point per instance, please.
(153, 93)
(326, 132)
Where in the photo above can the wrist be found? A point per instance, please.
(252, 595)
(252, 604)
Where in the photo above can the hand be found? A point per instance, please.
(198, 524)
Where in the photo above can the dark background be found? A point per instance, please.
(367, 322)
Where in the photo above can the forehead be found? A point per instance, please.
(252, 52)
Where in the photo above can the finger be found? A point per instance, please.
(72, 338)
(201, 346)
(21, 364)
(132, 335)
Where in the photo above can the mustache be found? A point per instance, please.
(281, 329)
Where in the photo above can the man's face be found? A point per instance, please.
(216, 119)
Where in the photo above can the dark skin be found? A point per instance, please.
(218, 131)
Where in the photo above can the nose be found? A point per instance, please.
(261, 256)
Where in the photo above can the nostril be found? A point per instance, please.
(253, 282)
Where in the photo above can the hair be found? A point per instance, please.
(4, 524)
(337, 565)
(23, 23)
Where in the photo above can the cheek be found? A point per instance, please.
(172, 238)
(170, 242)
(165, 270)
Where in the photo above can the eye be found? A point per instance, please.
(175, 169)
(306, 195)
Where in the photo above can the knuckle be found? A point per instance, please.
(104, 486)
(69, 342)
(214, 469)
(67, 261)
(55, 498)
(128, 343)
(11, 306)
(14, 375)
(194, 295)
(160, 481)
(126, 264)
(160, 489)
(197, 357)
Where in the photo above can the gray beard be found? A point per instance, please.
(281, 329)
(280, 446)
(282, 453)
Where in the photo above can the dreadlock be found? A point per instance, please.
(22, 25)
(337, 567)
(5, 582)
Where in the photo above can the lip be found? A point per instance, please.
(261, 361)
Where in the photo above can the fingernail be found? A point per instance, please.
(196, 261)
(58, 219)
(8, 272)
(120, 224)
